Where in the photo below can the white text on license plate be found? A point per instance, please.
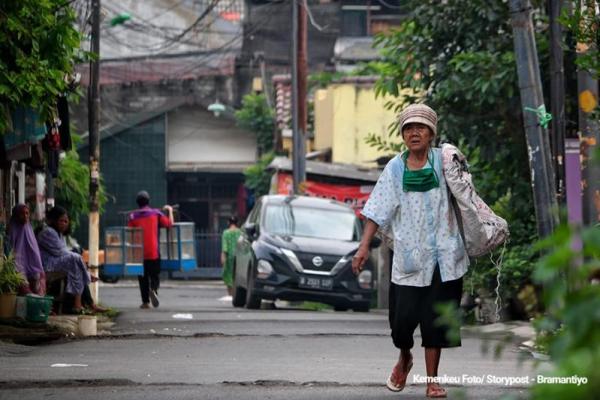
(316, 283)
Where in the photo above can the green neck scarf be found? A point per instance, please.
(421, 180)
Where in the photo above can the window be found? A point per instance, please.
(254, 215)
(365, 18)
(287, 220)
(354, 23)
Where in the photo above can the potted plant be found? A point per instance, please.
(10, 281)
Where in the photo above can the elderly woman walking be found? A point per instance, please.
(430, 259)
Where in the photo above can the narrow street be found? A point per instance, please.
(196, 346)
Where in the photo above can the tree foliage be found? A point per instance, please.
(256, 116)
(257, 177)
(39, 45)
(569, 327)
(457, 56)
(10, 278)
(584, 23)
(72, 187)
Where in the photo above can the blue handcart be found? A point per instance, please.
(178, 247)
(124, 251)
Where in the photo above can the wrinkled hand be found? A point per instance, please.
(359, 259)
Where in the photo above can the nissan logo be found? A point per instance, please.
(317, 261)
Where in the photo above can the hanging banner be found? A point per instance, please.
(40, 196)
(354, 195)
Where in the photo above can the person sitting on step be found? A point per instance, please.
(26, 251)
(56, 256)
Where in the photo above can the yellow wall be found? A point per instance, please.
(345, 114)
(287, 145)
(323, 120)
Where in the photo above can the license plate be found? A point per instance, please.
(315, 283)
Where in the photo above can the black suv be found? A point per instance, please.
(300, 248)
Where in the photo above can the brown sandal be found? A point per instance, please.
(398, 384)
(436, 392)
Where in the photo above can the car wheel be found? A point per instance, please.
(361, 308)
(252, 300)
(239, 297)
(109, 279)
(239, 293)
(338, 308)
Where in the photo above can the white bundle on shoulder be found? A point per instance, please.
(482, 230)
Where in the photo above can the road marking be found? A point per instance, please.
(183, 316)
(60, 365)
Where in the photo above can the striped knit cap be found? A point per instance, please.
(418, 113)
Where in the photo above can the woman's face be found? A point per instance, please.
(23, 215)
(63, 223)
(417, 137)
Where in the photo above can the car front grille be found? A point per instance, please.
(306, 259)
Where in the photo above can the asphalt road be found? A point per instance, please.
(197, 346)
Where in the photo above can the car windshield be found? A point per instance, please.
(320, 223)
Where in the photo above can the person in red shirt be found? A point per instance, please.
(150, 220)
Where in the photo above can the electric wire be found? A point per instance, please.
(159, 31)
(204, 14)
(243, 33)
(209, 55)
(111, 117)
(167, 10)
(180, 36)
(311, 18)
(388, 5)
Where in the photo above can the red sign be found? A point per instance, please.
(231, 15)
(353, 195)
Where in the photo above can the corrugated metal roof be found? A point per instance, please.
(346, 171)
(162, 69)
(131, 121)
(355, 49)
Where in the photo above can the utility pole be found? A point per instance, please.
(299, 112)
(94, 146)
(589, 130)
(542, 173)
(557, 93)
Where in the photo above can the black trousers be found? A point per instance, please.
(411, 306)
(150, 280)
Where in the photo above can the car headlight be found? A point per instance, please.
(293, 259)
(264, 269)
(342, 262)
(364, 279)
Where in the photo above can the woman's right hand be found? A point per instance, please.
(359, 259)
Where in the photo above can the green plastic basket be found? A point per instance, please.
(38, 308)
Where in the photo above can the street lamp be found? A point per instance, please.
(216, 108)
